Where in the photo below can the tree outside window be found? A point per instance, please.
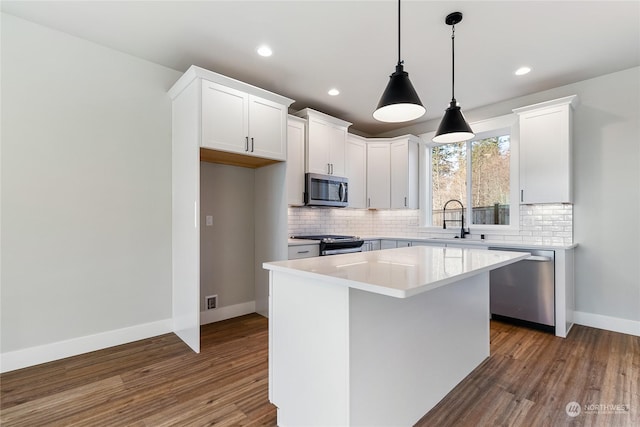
(476, 173)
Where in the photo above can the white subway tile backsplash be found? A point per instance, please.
(539, 224)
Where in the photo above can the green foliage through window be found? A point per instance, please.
(488, 161)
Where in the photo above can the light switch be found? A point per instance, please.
(209, 220)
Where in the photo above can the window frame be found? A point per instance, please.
(483, 129)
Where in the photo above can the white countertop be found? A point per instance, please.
(401, 272)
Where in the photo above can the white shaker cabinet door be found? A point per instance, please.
(225, 113)
(337, 138)
(356, 171)
(318, 148)
(404, 174)
(378, 176)
(267, 128)
(295, 161)
(545, 151)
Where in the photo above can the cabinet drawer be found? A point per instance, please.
(304, 251)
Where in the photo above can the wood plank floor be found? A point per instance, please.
(529, 379)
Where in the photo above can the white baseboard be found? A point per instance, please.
(31, 356)
(615, 324)
(228, 312)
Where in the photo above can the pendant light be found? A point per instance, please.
(399, 101)
(453, 127)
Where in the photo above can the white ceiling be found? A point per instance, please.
(352, 45)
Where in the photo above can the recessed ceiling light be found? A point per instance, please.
(264, 50)
(333, 92)
(522, 71)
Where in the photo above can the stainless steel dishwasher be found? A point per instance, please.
(525, 290)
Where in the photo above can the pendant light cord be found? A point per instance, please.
(453, 63)
(399, 60)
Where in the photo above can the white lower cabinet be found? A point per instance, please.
(388, 244)
(465, 246)
(371, 245)
(303, 251)
(425, 243)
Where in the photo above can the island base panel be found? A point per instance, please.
(341, 356)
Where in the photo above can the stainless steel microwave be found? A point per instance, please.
(326, 190)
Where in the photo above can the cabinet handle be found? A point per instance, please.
(405, 202)
(246, 143)
(369, 202)
(252, 144)
(303, 252)
(522, 195)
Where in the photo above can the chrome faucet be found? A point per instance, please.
(461, 220)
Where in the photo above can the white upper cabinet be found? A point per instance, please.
(404, 173)
(239, 122)
(378, 175)
(295, 161)
(236, 120)
(392, 172)
(545, 151)
(325, 144)
(225, 114)
(267, 128)
(356, 171)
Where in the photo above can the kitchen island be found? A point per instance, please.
(376, 338)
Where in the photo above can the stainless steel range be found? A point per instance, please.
(331, 244)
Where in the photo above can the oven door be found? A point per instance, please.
(337, 247)
(340, 251)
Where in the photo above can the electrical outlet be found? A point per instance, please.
(209, 220)
(413, 221)
(211, 302)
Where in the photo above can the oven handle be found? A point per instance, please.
(341, 251)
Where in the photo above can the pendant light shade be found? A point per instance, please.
(453, 127)
(399, 101)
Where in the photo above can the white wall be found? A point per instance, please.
(606, 190)
(226, 247)
(86, 190)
